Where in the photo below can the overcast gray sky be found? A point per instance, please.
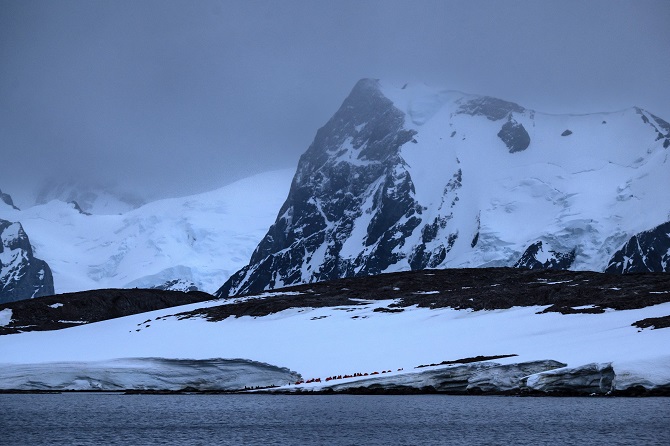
(175, 97)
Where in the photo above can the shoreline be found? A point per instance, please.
(629, 393)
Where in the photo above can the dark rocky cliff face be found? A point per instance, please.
(22, 276)
(535, 258)
(351, 209)
(648, 251)
(661, 127)
(352, 167)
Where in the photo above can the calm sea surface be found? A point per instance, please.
(108, 419)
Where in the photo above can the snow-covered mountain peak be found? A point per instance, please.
(420, 103)
(415, 177)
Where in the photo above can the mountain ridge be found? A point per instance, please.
(414, 178)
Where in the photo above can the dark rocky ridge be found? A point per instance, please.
(653, 322)
(662, 127)
(328, 195)
(54, 312)
(476, 289)
(23, 276)
(7, 199)
(644, 252)
(78, 208)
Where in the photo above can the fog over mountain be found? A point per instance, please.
(168, 98)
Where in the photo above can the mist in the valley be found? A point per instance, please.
(169, 98)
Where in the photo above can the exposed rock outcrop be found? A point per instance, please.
(22, 276)
(78, 208)
(7, 199)
(648, 251)
(493, 109)
(514, 135)
(185, 286)
(536, 257)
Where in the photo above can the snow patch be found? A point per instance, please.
(278, 293)
(11, 234)
(353, 338)
(5, 317)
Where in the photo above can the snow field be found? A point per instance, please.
(5, 317)
(323, 342)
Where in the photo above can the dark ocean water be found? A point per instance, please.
(112, 419)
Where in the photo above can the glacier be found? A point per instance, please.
(144, 374)
(201, 239)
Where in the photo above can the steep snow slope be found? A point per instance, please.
(321, 342)
(582, 190)
(201, 239)
(414, 177)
